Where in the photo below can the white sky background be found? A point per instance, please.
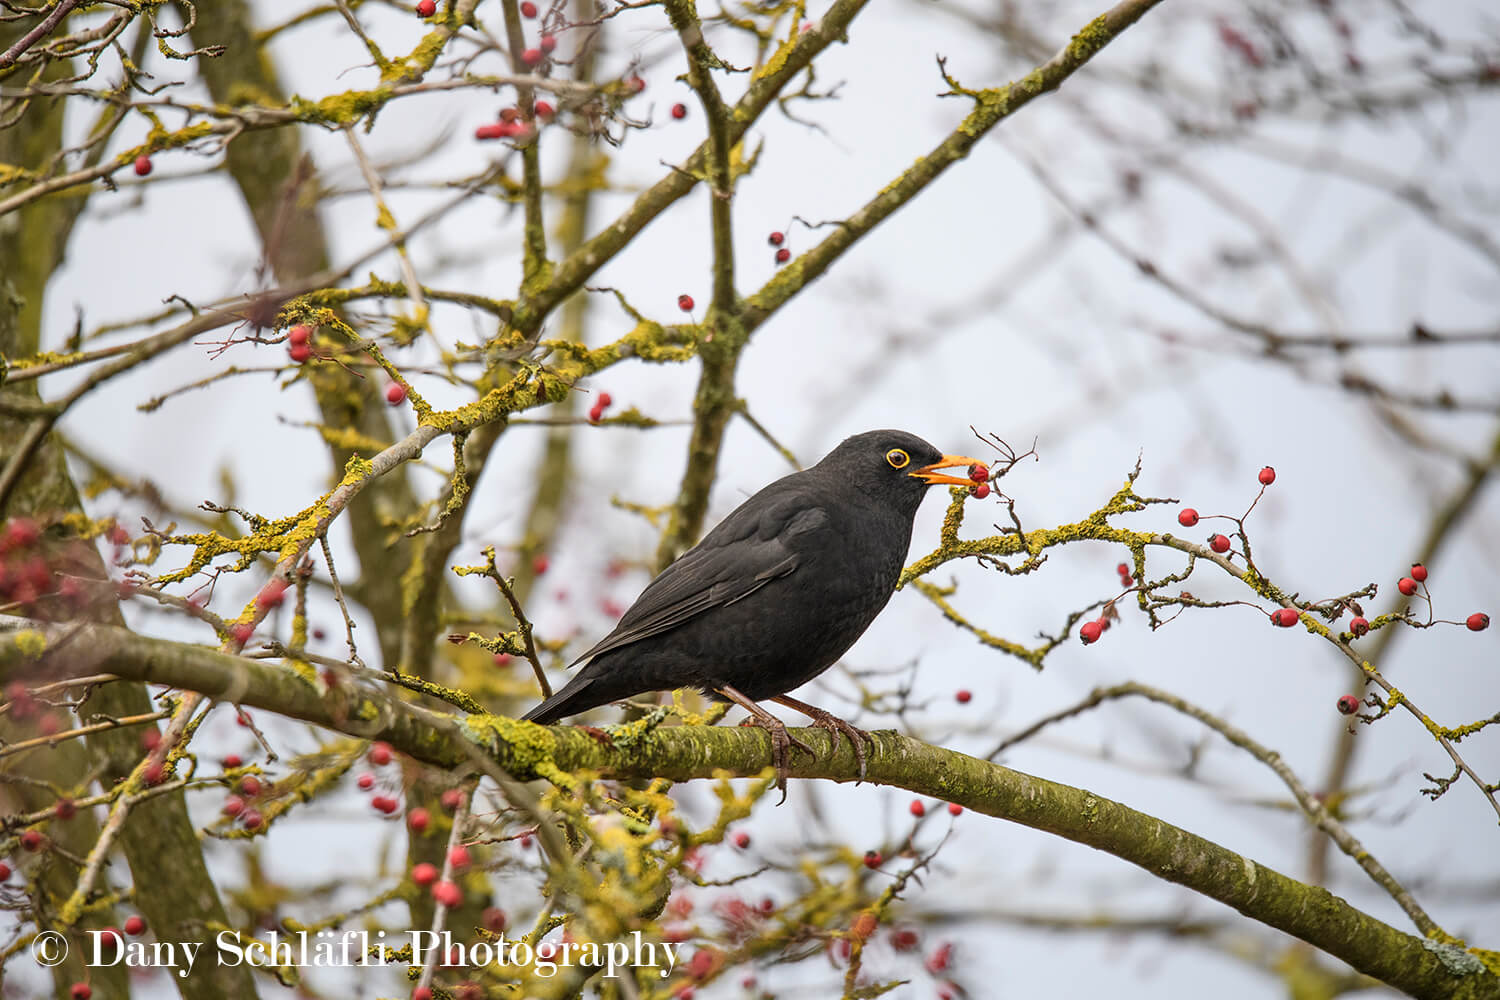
(910, 330)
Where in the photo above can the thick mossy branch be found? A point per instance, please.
(1420, 968)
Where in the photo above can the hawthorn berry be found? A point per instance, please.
(1406, 585)
(1219, 543)
(422, 993)
(1123, 569)
(539, 564)
(917, 809)
(741, 840)
(452, 798)
(241, 632)
(531, 56)
(459, 858)
(154, 774)
(424, 873)
(65, 809)
(366, 782)
(494, 919)
(80, 991)
(905, 939)
(418, 819)
(528, 9)
(604, 401)
(963, 696)
(142, 165)
(679, 111)
(1284, 617)
(448, 893)
(4, 871)
(549, 42)
(426, 8)
(1348, 704)
(1187, 517)
(380, 753)
(150, 738)
(1267, 476)
(395, 394)
(637, 83)
(233, 806)
(271, 594)
(776, 238)
(250, 785)
(979, 473)
(544, 109)
(299, 334)
(385, 804)
(1359, 626)
(979, 490)
(939, 959)
(299, 353)
(954, 809)
(873, 859)
(135, 925)
(1090, 632)
(491, 132)
(1477, 622)
(1418, 572)
(685, 303)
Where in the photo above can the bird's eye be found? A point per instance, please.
(898, 458)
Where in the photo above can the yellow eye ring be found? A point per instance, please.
(897, 458)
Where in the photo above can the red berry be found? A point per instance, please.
(154, 774)
(783, 255)
(418, 819)
(299, 334)
(424, 873)
(380, 753)
(250, 785)
(742, 840)
(385, 804)
(452, 798)
(4, 871)
(545, 109)
(1123, 569)
(539, 564)
(528, 9)
(917, 808)
(366, 782)
(494, 919)
(549, 43)
(447, 893)
(1187, 517)
(142, 165)
(80, 991)
(531, 56)
(422, 993)
(426, 8)
(954, 809)
(65, 809)
(1359, 626)
(776, 238)
(1090, 632)
(150, 738)
(241, 632)
(939, 959)
(299, 353)
(685, 303)
(1219, 543)
(31, 840)
(1267, 476)
(111, 939)
(1477, 622)
(1418, 572)
(979, 473)
(873, 859)
(135, 925)
(20, 533)
(271, 594)
(979, 490)
(637, 83)
(1348, 704)
(233, 806)
(252, 819)
(395, 394)
(679, 111)
(458, 858)
(233, 760)
(491, 132)
(1284, 617)
(964, 696)
(1406, 585)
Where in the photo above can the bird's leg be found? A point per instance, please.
(781, 740)
(834, 725)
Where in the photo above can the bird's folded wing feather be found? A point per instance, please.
(747, 550)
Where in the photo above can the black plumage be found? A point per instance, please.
(775, 593)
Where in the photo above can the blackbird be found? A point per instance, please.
(774, 595)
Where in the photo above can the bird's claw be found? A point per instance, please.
(833, 725)
(782, 743)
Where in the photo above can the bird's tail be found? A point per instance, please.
(575, 697)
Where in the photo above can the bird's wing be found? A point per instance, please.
(754, 545)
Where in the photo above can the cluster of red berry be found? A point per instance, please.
(979, 474)
(776, 239)
(596, 412)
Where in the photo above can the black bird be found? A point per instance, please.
(774, 595)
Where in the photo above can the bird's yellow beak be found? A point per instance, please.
(929, 474)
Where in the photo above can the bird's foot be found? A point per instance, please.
(782, 743)
(834, 726)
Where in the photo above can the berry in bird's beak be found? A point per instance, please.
(929, 474)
